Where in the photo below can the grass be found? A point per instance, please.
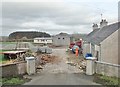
(1, 55)
(107, 80)
(13, 81)
(2, 59)
(7, 42)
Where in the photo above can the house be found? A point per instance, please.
(86, 43)
(43, 40)
(62, 39)
(103, 44)
(101, 38)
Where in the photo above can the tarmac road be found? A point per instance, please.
(61, 79)
(60, 73)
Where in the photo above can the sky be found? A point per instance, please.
(55, 16)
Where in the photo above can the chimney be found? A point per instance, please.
(103, 23)
(95, 26)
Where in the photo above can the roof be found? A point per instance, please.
(88, 37)
(43, 38)
(97, 36)
(63, 34)
(12, 52)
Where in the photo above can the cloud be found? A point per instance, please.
(53, 16)
(61, 0)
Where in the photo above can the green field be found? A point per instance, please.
(2, 56)
(7, 42)
(4, 44)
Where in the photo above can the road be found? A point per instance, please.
(60, 73)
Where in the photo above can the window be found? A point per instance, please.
(43, 40)
(58, 38)
(63, 38)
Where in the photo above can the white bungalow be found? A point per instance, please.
(43, 40)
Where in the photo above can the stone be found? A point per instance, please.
(48, 50)
(39, 67)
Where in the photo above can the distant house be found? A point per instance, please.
(43, 40)
(62, 39)
(103, 44)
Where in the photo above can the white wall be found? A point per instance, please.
(107, 69)
(109, 49)
(42, 42)
(86, 48)
(97, 48)
(61, 40)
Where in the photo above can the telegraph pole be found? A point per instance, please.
(101, 16)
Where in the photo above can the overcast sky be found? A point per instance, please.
(55, 16)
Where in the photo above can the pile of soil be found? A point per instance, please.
(42, 59)
(46, 58)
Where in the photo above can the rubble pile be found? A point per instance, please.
(82, 64)
(45, 58)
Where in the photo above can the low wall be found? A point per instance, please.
(107, 69)
(13, 69)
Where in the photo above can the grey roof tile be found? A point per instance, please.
(97, 36)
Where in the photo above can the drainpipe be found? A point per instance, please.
(100, 53)
(90, 48)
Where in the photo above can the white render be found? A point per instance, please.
(109, 49)
(43, 40)
(86, 48)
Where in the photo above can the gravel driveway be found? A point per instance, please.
(61, 66)
(60, 73)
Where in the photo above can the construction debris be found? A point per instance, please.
(42, 59)
(81, 64)
(45, 58)
(71, 63)
(39, 67)
(44, 50)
